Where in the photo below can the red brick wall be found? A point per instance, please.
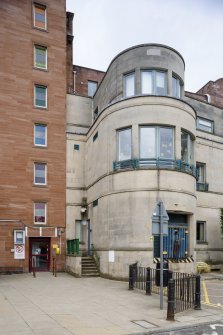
(82, 75)
(18, 115)
(215, 90)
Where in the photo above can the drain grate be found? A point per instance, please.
(144, 324)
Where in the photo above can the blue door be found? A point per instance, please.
(175, 244)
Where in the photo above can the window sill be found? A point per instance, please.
(41, 108)
(40, 69)
(202, 242)
(41, 29)
(40, 186)
(40, 146)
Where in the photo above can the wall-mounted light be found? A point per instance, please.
(83, 209)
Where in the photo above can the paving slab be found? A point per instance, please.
(66, 305)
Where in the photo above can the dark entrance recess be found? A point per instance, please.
(39, 253)
(175, 244)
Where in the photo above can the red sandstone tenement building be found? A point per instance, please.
(33, 46)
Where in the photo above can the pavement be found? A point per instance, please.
(64, 305)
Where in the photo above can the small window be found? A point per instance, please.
(92, 87)
(201, 172)
(40, 96)
(187, 148)
(95, 203)
(78, 230)
(39, 212)
(129, 85)
(201, 231)
(176, 87)
(40, 173)
(39, 16)
(40, 57)
(205, 125)
(95, 113)
(124, 144)
(95, 136)
(153, 82)
(40, 135)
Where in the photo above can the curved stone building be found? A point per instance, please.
(130, 145)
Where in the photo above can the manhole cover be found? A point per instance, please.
(144, 324)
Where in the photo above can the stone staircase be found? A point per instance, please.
(88, 267)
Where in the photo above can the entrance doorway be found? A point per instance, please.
(39, 253)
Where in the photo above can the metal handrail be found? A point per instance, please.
(155, 163)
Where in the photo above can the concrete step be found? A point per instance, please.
(88, 267)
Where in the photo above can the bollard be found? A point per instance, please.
(130, 277)
(148, 281)
(197, 304)
(34, 266)
(171, 300)
(55, 267)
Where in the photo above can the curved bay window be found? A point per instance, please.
(124, 144)
(156, 142)
(153, 82)
(187, 148)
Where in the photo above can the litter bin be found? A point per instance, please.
(165, 274)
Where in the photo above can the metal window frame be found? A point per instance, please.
(117, 141)
(45, 126)
(45, 173)
(45, 210)
(36, 46)
(39, 5)
(35, 105)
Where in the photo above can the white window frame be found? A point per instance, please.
(35, 64)
(202, 166)
(35, 86)
(205, 233)
(118, 143)
(36, 144)
(190, 145)
(16, 232)
(40, 163)
(91, 82)
(45, 209)
(199, 125)
(35, 5)
(157, 141)
(154, 81)
(179, 86)
(130, 74)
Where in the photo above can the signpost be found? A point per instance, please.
(160, 220)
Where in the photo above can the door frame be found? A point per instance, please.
(39, 239)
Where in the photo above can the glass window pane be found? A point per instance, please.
(40, 173)
(160, 83)
(39, 17)
(176, 87)
(146, 78)
(40, 96)
(40, 57)
(40, 135)
(147, 142)
(205, 125)
(166, 143)
(129, 85)
(184, 147)
(39, 212)
(200, 231)
(124, 144)
(92, 87)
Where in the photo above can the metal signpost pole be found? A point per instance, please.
(161, 254)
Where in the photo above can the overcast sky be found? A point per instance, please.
(103, 28)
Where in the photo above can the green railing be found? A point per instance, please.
(73, 246)
(202, 187)
(158, 163)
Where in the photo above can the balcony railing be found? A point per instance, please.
(147, 163)
(202, 187)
